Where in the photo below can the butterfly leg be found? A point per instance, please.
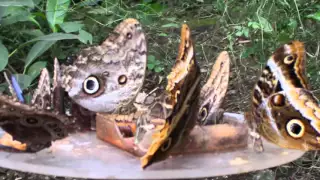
(256, 141)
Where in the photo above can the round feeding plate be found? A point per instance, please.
(82, 155)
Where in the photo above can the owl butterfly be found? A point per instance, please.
(182, 93)
(108, 77)
(284, 111)
(35, 124)
(214, 91)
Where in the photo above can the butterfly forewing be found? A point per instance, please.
(214, 91)
(183, 92)
(284, 111)
(108, 77)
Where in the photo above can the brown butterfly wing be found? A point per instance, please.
(285, 69)
(183, 91)
(214, 91)
(27, 124)
(288, 127)
(42, 95)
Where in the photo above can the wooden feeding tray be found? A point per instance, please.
(83, 155)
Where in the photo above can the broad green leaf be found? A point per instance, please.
(36, 2)
(151, 58)
(4, 55)
(33, 32)
(14, 10)
(37, 49)
(19, 18)
(69, 27)
(265, 25)
(2, 11)
(151, 66)
(56, 11)
(158, 69)
(23, 80)
(315, 16)
(55, 37)
(28, 3)
(35, 69)
(85, 37)
(170, 25)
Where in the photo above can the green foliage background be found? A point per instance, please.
(33, 32)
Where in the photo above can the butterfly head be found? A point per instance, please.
(106, 77)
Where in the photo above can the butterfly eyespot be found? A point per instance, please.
(31, 121)
(122, 79)
(129, 35)
(91, 85)
(295, 128)
(278, 100)
(203, 114)
(166, 144)
(289, 59)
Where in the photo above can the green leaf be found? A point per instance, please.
(54, 37)
(56, 11)
(169, 25)
(26, 16)
(13, 10)
(4, 55)
(151, 66)
(69, 27)
(239, 33)
(36, 2)
(2, 11)
(265, 25)
(163, 34)
(283, 37)
(158, 69)
(23, 80)
(37, 49)
(151, 58)
(33, 32)
(293, 23)
(254, 25)
(35, 69)
(99, 11)
(246, 32)
(28, 3)
(85, 37)
(315, 16)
